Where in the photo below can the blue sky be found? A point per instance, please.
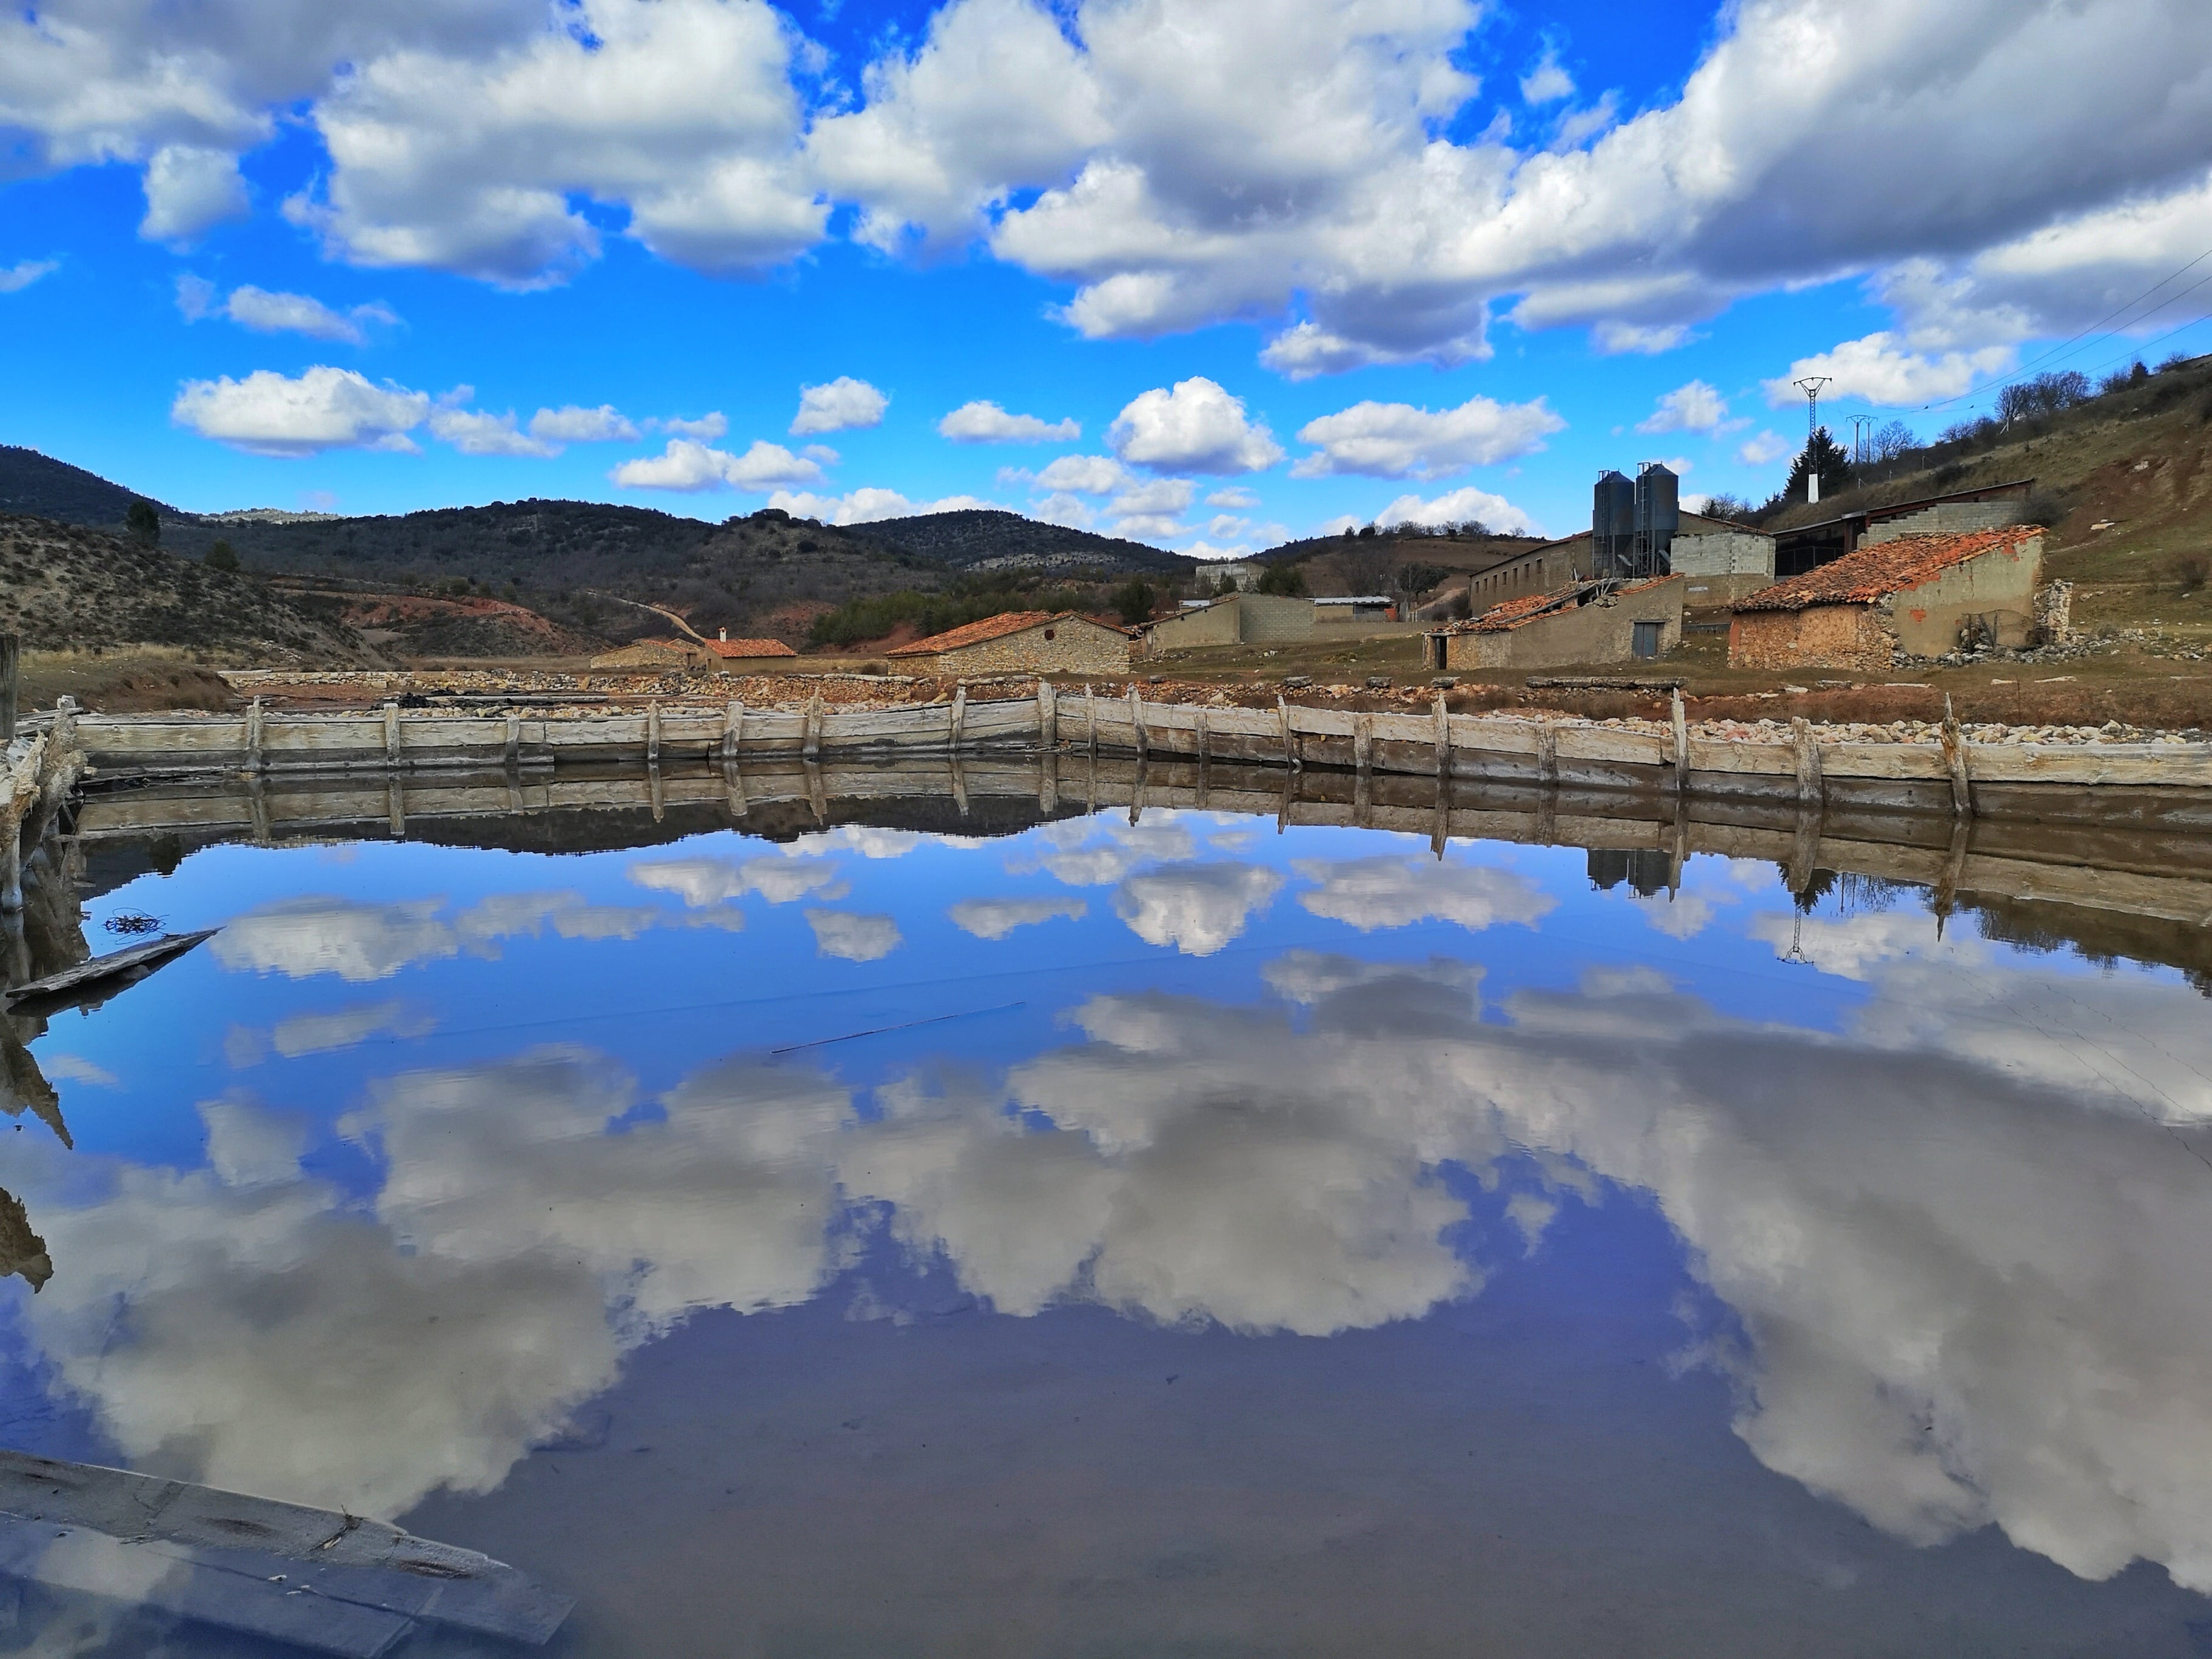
(1282, 268)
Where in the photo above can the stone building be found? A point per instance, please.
(730, 656)
(1583, 621)
(1911, 596)
(1236, 619)
(1723, 566)
(1022, 642)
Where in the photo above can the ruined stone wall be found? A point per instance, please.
(1075, 647)
(1822, 636)
(1594, 633)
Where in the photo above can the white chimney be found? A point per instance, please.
(725, 636)
(1812, 484)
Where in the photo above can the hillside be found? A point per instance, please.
(2123, 481)
(768, 574)
(983, 538)
(44, 488)
(63, 588)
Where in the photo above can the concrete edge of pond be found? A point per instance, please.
(320, 1579)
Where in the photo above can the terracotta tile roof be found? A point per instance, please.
(750, 649)
(974, 633)
(1874, 573)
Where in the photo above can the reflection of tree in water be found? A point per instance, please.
(2104, 938)
(22, 1252)
(1854, 893)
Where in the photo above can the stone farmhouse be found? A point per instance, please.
(1909, 596)
(730, 656)
(1582, 621)
(1021, 643)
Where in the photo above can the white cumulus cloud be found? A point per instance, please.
(867, 505)
(1767, 448)
(688, 465)
(570, 424)
(1882, 368)
(1457, 507)
(1198, 426)
(1695, 407)
(984, 422)
(478, 432)
(840, 406)
(324, 408)
(1397, 440)
(24, 272)
(189, 188)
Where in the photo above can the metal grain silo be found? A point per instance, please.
(1612, 524)
(1658, 516)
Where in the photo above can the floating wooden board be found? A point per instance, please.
(127, 964)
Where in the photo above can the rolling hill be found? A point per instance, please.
(44, 488)
(985, 538)
(63, 588)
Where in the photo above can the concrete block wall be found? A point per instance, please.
(1945, 518)
(1724, 553)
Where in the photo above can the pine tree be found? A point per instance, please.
(143, 522)
(1826, 455)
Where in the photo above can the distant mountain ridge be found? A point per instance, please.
(991, 538)
(41, 486)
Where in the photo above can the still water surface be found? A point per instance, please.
(1174, 1238)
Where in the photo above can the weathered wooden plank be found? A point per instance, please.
(1597, 742)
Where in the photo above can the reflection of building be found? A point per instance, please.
(1022, 642)
(1584, 621)
(1647, 869)
(1914, 596)
(22, 1252)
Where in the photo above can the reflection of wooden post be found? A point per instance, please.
(10, 656)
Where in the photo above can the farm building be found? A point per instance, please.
(1911, 596)
(733, 656)
(1022, 642)
(1236, 619)
(1583, 621)
(1723, 566)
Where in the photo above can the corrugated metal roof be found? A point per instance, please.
(1874, 573)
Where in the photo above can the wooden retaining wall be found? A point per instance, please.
(2116, 866)
(1951, 777)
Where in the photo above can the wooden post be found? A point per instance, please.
(1290, 755)
(733, 725)
(1091, 718)
(512, 757)
(1810, 790)
(395, 801)
(1199, 735)
(1547, 754)
(1955, 762)
(254, 759)
(959, 721)
(391, 738)
(652, 733)
(1681, 738)
(1363, 744)
(1137, 721)
(810, 746)
(1047, 715)
(1443, 741)
(10, 657)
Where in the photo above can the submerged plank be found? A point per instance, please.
(138, 959)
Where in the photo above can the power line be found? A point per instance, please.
(2096, 327)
